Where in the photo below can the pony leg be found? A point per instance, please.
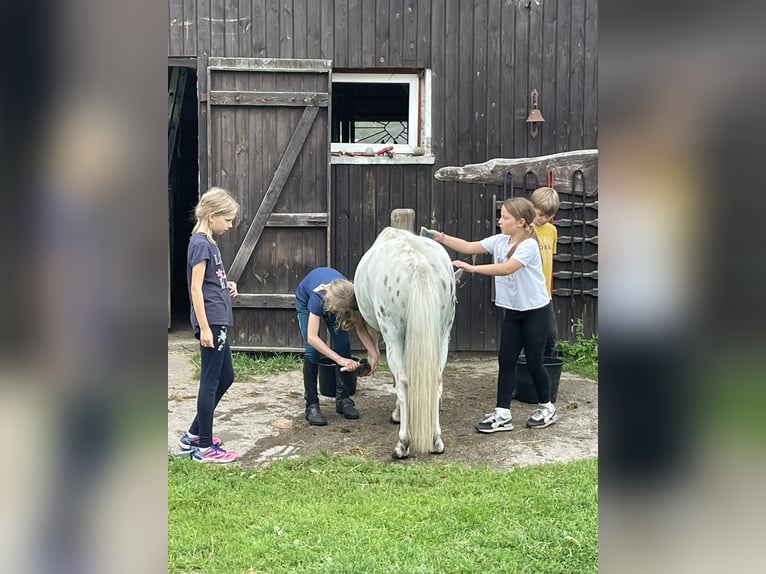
(395, 366)
(438, 444)
(402, 449)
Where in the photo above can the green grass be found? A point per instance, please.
(247, 365)
(580, 357)
(341, 514)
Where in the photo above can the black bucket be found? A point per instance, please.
(328, 377)
(525, 386)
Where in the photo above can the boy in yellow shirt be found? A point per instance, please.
(546, 203)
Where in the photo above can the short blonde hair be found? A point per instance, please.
(546, 199)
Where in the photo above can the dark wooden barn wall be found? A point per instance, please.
(486, 56)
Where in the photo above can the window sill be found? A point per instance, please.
(398, 159)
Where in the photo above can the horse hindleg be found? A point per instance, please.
(395, 366)
(438, 445)
(402, 449)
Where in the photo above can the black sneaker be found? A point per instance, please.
(492, 423)
(346, 408)
(315, 416)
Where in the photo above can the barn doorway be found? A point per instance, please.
(183, 184)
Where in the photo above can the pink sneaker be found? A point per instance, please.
(214, 454)
(188, 442)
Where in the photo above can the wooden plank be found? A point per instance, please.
(410, 55)
(231, 29)
(227, 178)
(479, 80)
(355, 31)
(303, 219)
(368, 34)
(382, 9)
(507, 119)
(437, 81)
(395, 33)
(272, 31)
(217, 27)
(270, 64)
(175, 28)
(521, 87)
(341, 26)
(493, 94)
(286, 29)
(464, 141)
(272, 194)
(590, 119)
(314, 23)
(190, 27)
(259, 29)
(300, 28)
(327, 22)
(535, 65)
(548, 130)
(423, 43)
(563, 164)
(245, 17)
(563, 35)
(576, 75)
(243, 98)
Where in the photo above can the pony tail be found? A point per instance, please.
(422, 352)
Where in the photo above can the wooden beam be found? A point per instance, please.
(232, 98)
(264, 300)
(272, 194)
(270, 64)
(564, 165)
(297, 220)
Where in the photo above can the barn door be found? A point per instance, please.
(268, 144)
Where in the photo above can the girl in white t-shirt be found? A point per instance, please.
(520, 289)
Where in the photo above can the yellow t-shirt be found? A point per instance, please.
(547, 235)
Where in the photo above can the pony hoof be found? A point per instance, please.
(401, 453)
(438, 450)
(393, 421)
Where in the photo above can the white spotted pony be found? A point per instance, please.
(405, 289)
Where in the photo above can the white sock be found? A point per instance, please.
(502, 414)
(548, 405)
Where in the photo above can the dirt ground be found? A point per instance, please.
(249, 415)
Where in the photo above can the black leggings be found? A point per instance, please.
(527, 329)
(215, 379)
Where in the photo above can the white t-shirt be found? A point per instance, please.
(525, 288)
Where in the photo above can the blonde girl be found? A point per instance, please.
(211, 316)
(521, 291)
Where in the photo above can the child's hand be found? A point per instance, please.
(427, 233)
(232, 288)
(462, 265)
(206, 337)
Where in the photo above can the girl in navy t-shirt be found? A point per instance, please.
(326, 295)
(211, 316)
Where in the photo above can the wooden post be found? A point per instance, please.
(403, 219)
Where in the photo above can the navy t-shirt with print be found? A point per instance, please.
(305, 290)
(214, 288)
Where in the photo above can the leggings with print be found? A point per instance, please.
(528, 330)
(215, 379)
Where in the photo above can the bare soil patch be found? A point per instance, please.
(252, 417)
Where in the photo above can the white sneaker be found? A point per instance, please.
(542, 417)
(493, 423)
